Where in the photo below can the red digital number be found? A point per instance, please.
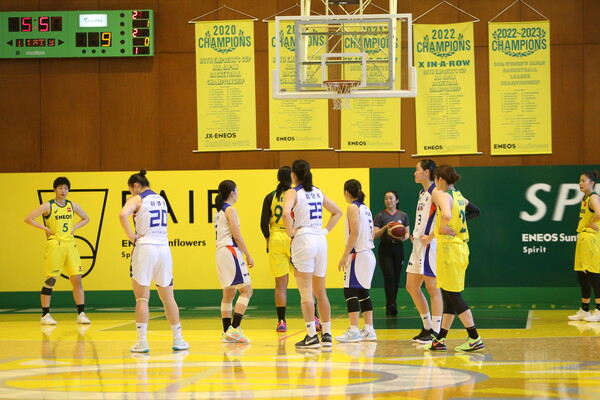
(44, 24)
(26, 24)
(134, 33)
(135, 14)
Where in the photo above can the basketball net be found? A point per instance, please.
(342, 92)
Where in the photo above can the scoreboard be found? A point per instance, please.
(89, 33)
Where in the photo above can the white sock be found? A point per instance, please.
(326, 326)
(353, 328)
(426, 318)
(141, 329)
(436, 322)
(310, 328)
(368, 327)
(176, 329)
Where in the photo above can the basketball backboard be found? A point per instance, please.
(375, 49)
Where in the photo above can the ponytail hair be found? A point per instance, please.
(302, 170)
(447, 173)
(140, 178)
(225, 189)
(354, 187)
(285, 180)
(428, 165)
(591, 175)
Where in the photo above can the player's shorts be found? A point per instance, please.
(309, 254)
(587, 252)
(279, 253)
(151, 262)
(231, 267)
(452, 262)
(422, 258)
(359, 269)
(62, 257)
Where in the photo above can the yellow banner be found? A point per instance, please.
(520, 109)
(295, 124)
(104, 247)
(225, 85)
(372, 124)
(446, 113)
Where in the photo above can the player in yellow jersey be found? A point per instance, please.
(587, 251)
(61, 254)
(452, 258)
(278, 242)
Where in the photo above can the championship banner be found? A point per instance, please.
(190, 195)
(520, 109)
(446, 112)
(295, 124)
(225, 85)
(372, 124)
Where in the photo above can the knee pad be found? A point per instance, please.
(448, 304)
(585, 285)
(226, 307)
(46, 291)
(242, 300)
(50, 282)
(458, 302)
(364, 299)
(306, 295)
(351, 295)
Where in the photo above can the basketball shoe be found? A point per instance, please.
(349, 336)
(48, 320)
(471, 345)
(580, 315)
(368, 335)
(141, 346)
(593, 317)
(180, 344)
(237, 335)
(282, 326)
(83, 319)
(436, 345)
(309, 342)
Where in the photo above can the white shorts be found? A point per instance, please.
(231, 267)
(309, 254)
(359, 270)
(422, 258)
(151, 262)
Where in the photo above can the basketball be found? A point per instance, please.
(397, 230)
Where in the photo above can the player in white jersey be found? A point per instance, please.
(358, 264)
(303, 218)
(421, 265)
(151, 259)
(231, 268)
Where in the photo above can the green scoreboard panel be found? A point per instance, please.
(90, 33)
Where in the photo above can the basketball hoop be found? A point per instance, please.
(342, 90)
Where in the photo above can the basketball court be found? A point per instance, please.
(537, 354)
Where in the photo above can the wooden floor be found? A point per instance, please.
(546, 357)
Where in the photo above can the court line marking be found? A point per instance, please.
(127, 323)
(529, 318)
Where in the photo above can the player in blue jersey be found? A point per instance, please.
(421, 265)
(231, 268)
(358, 264)
(303, 218)
(151, 259)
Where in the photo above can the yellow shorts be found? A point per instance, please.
(279, 254)
(587, 252)
(62, 257)
(452, 260)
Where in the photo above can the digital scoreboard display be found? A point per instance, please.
(90, 33)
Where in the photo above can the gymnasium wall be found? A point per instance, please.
(523, 243)
(123, 114)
